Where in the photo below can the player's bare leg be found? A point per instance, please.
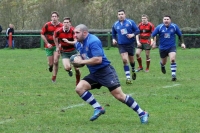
(147, 60)
(139, 59)
(67, 66)
(55, 66)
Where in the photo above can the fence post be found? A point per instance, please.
(10, 40)
(41, 43)
(109, 41)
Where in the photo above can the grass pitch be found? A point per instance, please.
(31, 103)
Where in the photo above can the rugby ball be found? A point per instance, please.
(73, 57)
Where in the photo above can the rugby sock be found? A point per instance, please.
(53, 78)
(133, 66)
(148, 63)
(89, 98)
(173, 69)
(50, 68)
(127, 71)
(139, 62)
(162, 65)
(129, 101)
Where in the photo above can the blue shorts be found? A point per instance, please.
(130, 48)
(106, 76)
(164, 52)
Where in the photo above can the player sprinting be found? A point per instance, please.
(144, 41)
(167, 44)
(64, 41)
(50, 48)
(101, 74)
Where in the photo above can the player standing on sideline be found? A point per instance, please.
(101, 74)
(144, 41)
(167, 43)
(50, 48)
(65, 38)
(123, 33)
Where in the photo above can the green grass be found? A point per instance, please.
(31, 103)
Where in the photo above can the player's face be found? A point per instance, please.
(54, 17)
(121, 16)
(66, 24)
(166, 21)
(144, 20)
(79, 35)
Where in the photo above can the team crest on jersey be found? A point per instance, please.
(163, 30)
(143, 30)
(172, 30)
(127, 25)
(118, 27)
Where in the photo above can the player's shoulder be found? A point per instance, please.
(116, 22)
(173, 24)
(150, 23)
(160, 25)
(59, 29)
(60, 24)
(130, 20)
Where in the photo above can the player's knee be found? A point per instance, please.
(55, 63)
(173, 61)
(137, 55)
(79, 89)
(125, 61)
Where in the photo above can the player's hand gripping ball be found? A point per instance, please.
(73, 57)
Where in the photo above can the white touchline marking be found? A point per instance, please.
(171, 86)
(8, 120)
(73, 106)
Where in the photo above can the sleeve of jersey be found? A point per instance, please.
(135, 28)
(43, 30)
(155, 32)
(55, 34)
(178, 31)
(96, 50)
(114, 33)
(152, 27)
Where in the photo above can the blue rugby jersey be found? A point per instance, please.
(119, 31)
(92, 47)
(167, 37)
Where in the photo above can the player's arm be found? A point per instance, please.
(182, 41)
(153, 37)
(70, 42)
(97, 53)
(180, 36)
(135, 29)
(91, 61)
(138, 40)
(43, 31)
(114, 35)
(55, 38)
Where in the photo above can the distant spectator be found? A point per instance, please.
(8, 31)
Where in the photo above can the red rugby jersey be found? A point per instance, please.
(60, 34)
(48, 30)
(145, 32)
